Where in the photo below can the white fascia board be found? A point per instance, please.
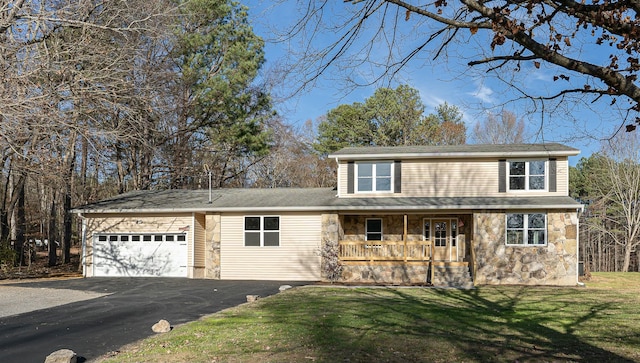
(439, 155)
(330, 209)
(130, 211)
(461, 207)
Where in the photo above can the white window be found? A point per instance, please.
(526, 229)
(373, 229)
(262, 231)
(527, 175)
(374, 176)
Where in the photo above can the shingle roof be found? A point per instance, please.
(499, 150)
(302, 199)
(221, 199)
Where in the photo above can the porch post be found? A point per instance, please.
(432, 260)
(404, 237)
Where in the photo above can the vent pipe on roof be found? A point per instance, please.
(210, 201)
(206, 168)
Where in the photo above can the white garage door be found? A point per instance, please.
(140, 255)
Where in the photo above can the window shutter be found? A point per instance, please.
(553, 180)
(397, 176)
(350, 177)
(502, 176)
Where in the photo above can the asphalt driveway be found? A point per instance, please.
(125, 314)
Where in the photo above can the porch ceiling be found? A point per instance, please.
(460, 203)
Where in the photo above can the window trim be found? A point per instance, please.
(374, 177)
(527, 175)
(261, 231)
(525, 229)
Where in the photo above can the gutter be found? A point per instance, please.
(450, 155)
(337, 208)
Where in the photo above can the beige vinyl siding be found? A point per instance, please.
(296, 258)
(455, 178)
(450, 178)
(563, 176)
(198, 244)
(135, 223)
(342, 180)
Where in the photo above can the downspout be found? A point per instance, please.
(578, 248)
(192, 269)
(338, 178)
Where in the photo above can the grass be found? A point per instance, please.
(598, 323)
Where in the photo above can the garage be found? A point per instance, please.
(141, 255)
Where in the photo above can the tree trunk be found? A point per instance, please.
(66, 206)
(614, 260)
(15, 218)
(628, 248)
(53, 257)
(121, 170)
(20, 224)
(84, 169)
(68, 225)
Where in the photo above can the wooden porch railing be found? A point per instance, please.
(385, 251)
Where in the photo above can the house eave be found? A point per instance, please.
(464, 207)
(452, 155)
(333, 209)
(127, 211)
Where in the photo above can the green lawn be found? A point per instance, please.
(597, 323)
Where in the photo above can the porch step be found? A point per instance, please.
(452, 276)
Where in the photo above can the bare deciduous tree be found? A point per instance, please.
(614, 183)
(292, 161)
(589, 49)
(503, 128)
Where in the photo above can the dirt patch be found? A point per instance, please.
(39, 268)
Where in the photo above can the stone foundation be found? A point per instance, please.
(385, 273)
(499, 264)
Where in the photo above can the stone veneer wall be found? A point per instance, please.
(212, 247)
(553, 264)
(392, 226)
(385, 273)
(330, 236)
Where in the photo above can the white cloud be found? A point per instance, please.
(483, 93)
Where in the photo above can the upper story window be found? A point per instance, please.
(374, 176)
(527, 175)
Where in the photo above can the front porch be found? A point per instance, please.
(416, 249)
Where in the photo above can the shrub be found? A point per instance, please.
(331, 268)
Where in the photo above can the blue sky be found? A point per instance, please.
(447, 79)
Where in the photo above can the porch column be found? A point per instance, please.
(330, 268)
(404, 236)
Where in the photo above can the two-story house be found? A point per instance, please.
(446, 215)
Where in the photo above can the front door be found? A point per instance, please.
(442, 233)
